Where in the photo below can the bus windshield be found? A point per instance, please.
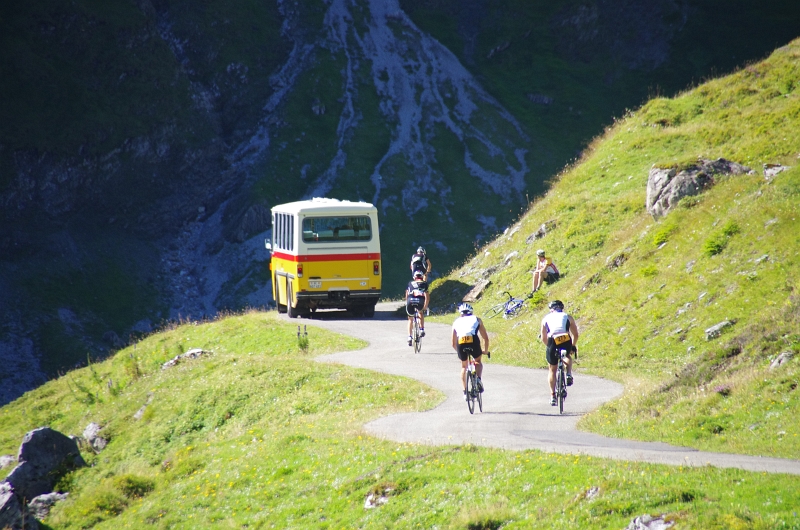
(356, 228)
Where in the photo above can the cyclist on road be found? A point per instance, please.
(559, 332)
(468, 330)
(417, 298)
(420, 262)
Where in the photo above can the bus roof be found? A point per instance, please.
(323, 205)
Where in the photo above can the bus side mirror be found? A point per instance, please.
(267, 245)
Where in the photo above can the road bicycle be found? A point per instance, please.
(509, 309)
(416, 336)
(473, 391)
(561, 381)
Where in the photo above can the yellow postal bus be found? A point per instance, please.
(326, 253)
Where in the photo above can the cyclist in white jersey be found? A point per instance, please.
(559, 332)
(468, 330)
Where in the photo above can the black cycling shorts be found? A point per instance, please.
(552, 354)
(411, 305)
(465, 350)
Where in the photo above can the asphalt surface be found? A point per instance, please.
(516, 403)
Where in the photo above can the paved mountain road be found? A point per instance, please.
(517, 412)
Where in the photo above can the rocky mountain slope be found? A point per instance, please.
(142, 144)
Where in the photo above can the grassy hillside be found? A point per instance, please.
(644, 290)
(256, 436)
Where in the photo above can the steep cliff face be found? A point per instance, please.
(144, 143)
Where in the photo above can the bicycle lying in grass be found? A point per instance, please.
(509, 309)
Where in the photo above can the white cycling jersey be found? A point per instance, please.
(556, 323)
(466, 325)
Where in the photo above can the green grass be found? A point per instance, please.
(644, 291)
(254, 435)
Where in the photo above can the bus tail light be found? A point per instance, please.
(376, 268)
(299, 270)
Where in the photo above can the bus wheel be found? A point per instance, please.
(369, 311)
(290, 311)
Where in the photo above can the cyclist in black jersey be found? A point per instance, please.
(417, 297)
(420, 262)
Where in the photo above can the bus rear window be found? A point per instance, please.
(337, 229)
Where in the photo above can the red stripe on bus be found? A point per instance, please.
(326, 257)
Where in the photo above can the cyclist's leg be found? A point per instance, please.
(421, 320)
(464, 358)
(551, 378)
(537, 280)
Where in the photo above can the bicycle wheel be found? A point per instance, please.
(472, 390)
(417, 338)
(515, 308)
(561, 388)
(479, 395)
(495, 310)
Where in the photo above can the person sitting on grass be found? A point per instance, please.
(545, 270)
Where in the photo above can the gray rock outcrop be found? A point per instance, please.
(547, 227)
(44, 456)
(13, 515)
(648, 522)
(781, 359)
(92, 436)
(772, 170)
(7, 460)
(191, 354)
(716, 330)
(40, 506)
(475, 293)
(667, 186)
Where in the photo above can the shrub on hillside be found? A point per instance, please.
(717, 242)
(662, 234)
(649, 271)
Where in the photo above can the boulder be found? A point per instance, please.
(771, 170)
(648, 522)
(476, 292)
(781, 359)
(716, 330)
(191, 354)
(40, 506)
(547, 226)
(92, 436)
(13, 515)
(667, 186)
(44, 456)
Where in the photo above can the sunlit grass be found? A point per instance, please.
(255, 434)
(644, 290)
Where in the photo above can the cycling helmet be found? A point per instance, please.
(418, 274)
(420, 250)
(540, 252)
(465, 309)
(558, 305)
